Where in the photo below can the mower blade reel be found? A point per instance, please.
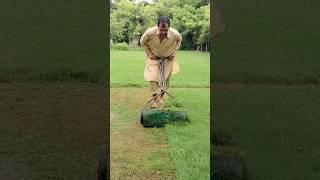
(158, 118)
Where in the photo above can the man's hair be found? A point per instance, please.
(164, 19)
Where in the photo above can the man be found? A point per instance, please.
(160, 41)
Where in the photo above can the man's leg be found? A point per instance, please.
(163, 94)
(168, 80)
(153, 86)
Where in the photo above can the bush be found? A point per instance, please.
(120, 46)
(135, 48)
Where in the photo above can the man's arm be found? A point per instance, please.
(145, 38)
(179, 40)
(178, 44)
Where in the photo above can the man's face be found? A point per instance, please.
(163, 29)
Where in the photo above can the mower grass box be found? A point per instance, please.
(170, 112)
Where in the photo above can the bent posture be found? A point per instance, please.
(160, 42)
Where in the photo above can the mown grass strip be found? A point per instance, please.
(190, 143)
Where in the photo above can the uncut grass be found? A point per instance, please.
(127, 69)
(268, 42)
(190, 143)
(276, 126)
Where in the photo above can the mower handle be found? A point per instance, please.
(158, 58)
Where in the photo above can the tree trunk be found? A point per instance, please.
(206, 46)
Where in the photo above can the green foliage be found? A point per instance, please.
(191, 18)
(122, 20)
(204, 24)
(120, 46)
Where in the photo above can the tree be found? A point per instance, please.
(123, 21)
(204, 24)
(191, 18)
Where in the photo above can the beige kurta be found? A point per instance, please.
(151, 42)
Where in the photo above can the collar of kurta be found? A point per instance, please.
(168, 34)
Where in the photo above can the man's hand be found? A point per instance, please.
(151, 56)
(172, 56)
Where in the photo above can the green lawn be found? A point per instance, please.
(266, 79)
(127, 69)
(136, 152)
(189, 145)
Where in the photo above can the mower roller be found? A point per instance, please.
(160, 117)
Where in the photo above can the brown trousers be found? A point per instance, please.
(154, 85)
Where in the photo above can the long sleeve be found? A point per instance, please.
(179, 40)
(145, 38)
